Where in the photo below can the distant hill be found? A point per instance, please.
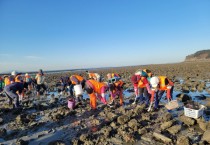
(203, 55)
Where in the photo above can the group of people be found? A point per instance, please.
(15, 85)
(148, 88)
(94, 86)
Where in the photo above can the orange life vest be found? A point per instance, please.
(141, 84)
(97, 85)
(119, 83)
(162, 84)
(7, 81)
(78, 78)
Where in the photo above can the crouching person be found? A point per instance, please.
(96, 90)
(116, 89)
(13, 91)
(160, 85)
(77, 84)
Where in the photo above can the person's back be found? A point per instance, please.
(16, 86)
(97, 85)
(76, 79)
(40, 79)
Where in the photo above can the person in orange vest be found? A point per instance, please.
(14, 90)
(144, 90)
(96, 90)
(94, 76)
(116, 89)
(76, 80)
(160, 85)
(7, 80)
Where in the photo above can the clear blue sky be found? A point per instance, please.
(68, 34)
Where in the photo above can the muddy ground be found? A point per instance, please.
(49, 121)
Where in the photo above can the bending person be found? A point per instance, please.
(96, 90)
(13, 91)
(160, 85)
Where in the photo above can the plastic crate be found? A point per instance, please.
(194, 113)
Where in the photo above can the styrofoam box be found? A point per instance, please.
(194, 113)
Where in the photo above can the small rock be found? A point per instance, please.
(203, 125)
(133, 123)
(162, 137)
(113, 125)
(111, 116)
(83, 137)
(183, 140)
(21, 142)
(166, 117)
(186, 120)
(57, 142)
(166, 125)
(3, 132)
(142, 131)
(1, 120)
(174, 129)
(122, 119)
(206, 136)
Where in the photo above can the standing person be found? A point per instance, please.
(13, 91)
(77, 80)
(144, 90)
(94, 76)
(96, 90)
(160, 85)
(28, 81)
(40, 78)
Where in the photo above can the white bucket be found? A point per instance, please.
(78, 90)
